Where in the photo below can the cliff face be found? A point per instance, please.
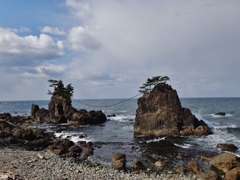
(160, 113)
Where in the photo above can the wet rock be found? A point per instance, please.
(160, 113)
(4, 125)
(34, 109)
(113, 115)
(138, 165)
(220, 114)
(75, 150)
(202, 130)
(83, 117)
(207, 156)
(6, 116)
(225, 162)
(227, 147)
(119, 161)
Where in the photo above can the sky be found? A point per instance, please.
(108, 48)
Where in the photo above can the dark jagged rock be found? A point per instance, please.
(82, 117)
(34, 109)
(6, 116)
(160, 113)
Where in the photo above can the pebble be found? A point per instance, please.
(53, 166)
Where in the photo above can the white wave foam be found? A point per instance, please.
(156, 139)
(185, 146)
(219, 116)
(122, 118)
(225, 127)
(74, 138)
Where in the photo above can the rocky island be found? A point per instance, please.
(160, 113)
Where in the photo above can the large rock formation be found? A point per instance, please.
(160, 113)
(60, 110)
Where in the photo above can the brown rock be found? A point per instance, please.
(225, 162)
(40, 156)
(160, 113)
(138, 165)
(160, 163)
(119, 161)
(58, 151)
(210, 175)
(75, 150)
(227, 147)
(207, 156)
(201, 130)
(194, 166)
(233, 174)
(119, 164)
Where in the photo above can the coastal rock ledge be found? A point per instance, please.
(160, 113)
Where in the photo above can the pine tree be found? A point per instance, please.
(147, 87)
(60, 89)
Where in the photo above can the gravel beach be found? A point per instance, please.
(22, 164)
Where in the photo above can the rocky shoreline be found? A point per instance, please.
(31, 153)
(19, 164)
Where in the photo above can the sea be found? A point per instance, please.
(117, 134)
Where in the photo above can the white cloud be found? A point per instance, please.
(53, 30)
(44, 70)
(188, 41)
(83, 38)
(79, 9)
(21, 50)
(24, 29)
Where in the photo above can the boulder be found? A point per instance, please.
(138, 165)
(82, 117)
(209, 175)
(233, 174)
(6, 116)
(119, 161)
(225, 162)
(160, 163)
(227, 147)
(160, 113)
(34, 109)
(194, 166)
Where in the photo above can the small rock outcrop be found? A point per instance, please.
(160, 113)
(220, 114)
(227, 147)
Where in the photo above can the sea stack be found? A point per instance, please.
(160, 113)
